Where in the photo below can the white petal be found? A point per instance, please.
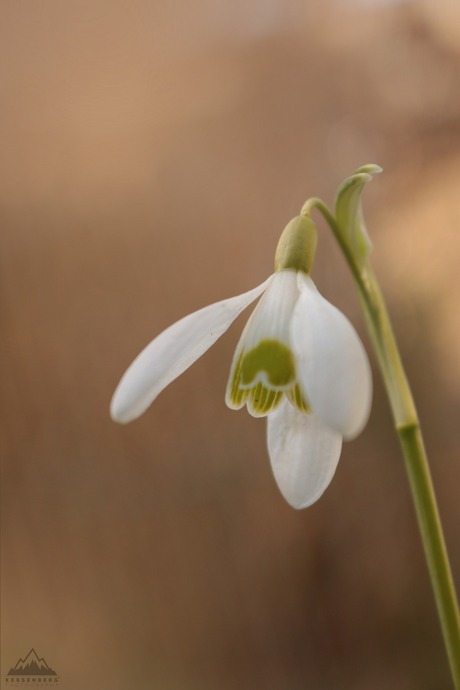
(270, 320)
(272, 315)
(333, 368)
(304, 453)
(173, 351)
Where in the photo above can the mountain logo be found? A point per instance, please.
(32, 665)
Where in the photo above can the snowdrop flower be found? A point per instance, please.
(299, 362)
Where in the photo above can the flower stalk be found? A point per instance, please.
(352, 238)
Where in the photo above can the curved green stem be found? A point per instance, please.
(408, 429)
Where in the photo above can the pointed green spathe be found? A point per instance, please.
(349, 215)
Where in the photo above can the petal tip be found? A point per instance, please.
(117, 411)
(125, 408)
(304, 453)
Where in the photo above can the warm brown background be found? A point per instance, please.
(152, 153)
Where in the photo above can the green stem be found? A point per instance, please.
(433, 541)
(408, 429)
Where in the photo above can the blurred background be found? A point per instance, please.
(151, 155)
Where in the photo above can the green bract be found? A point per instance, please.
(349, 215)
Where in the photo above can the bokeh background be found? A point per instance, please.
(151, 154)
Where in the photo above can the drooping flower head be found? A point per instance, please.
(299, 362)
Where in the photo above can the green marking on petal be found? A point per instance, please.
(236, 396)
(296, 398)
(270, 357)
(262, 400)
(274, 362)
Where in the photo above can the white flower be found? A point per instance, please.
(299, 361)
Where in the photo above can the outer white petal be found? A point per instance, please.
(173, 351)
(333, 368)
(304, 453)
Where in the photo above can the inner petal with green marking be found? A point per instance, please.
(261, 376)
(271, 363)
